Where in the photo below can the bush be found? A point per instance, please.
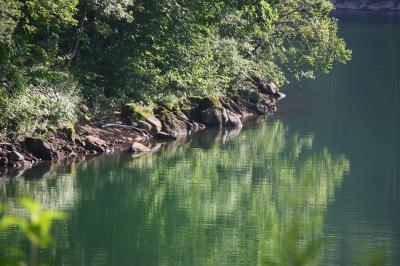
(38, 106)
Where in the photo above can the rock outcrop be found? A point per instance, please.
(136, 124)
(219, 117)
(39, 148)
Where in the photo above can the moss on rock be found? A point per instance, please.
(207, 102)
(133, 110)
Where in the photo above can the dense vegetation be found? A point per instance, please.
(56, 53)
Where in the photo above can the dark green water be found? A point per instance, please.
(317, 184)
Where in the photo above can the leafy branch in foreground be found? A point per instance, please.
(36, 227)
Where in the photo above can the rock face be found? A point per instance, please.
(144, 125)
(174, 125)
(39, 148)
(155, 124)
(219, 117)
(70, 133)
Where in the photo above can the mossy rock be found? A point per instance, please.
(170, 106)
(208, 102)
(195, 99)
(132, 110)
(133, 113)
(171, 124)
(163, 111)
(185, 107)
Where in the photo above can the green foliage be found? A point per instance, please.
(40, 105)
(156, 51)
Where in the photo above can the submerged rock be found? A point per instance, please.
(39, 148)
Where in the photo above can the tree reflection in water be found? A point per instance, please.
(217, 198)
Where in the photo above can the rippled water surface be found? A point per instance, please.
(317, 184)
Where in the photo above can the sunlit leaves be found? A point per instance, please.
(119, 9)
(48, 13)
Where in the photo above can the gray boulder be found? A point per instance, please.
(172, 125)
(233, 120)
(220, 117)
(213, 117)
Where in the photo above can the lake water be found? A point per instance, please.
(316, 184)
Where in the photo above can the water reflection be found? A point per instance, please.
(53, 186)
(217, 198)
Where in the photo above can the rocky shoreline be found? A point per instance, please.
(133, 127)
(367, 5)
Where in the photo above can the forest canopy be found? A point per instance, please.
(57, 53)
